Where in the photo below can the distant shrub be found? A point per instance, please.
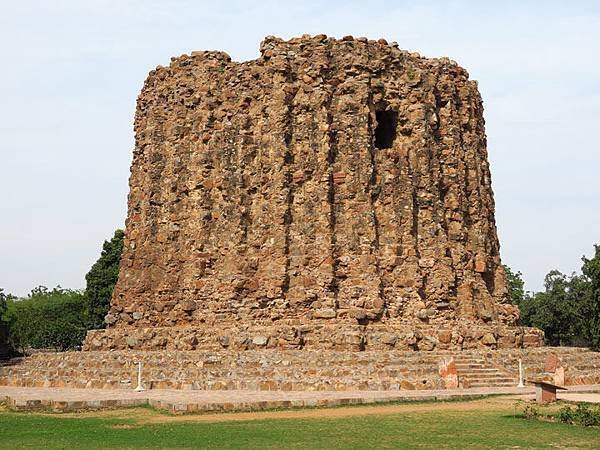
(583, 415)
(565, 415)
(531, 412)
(55, 319)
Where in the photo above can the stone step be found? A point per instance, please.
(109, 364)
(224, 371)
(476, 363)
(481, 370)
(214, 373)
(291, 368)
(213, 379)
(469, 366)
(467, 359)
(478, 372)
(179, 356)
(230, 364)
(225, 384)
(488, 379)
(481, 385)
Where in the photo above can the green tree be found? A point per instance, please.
(4, 298)
(591, 269)
(101, 279)
(561, 310)
(516, 286)
(46, 318)
(3, 303)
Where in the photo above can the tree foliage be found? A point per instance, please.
(591, 269)
(55, 319)
(560, 310)
(4, 298)
(3, 302)
(516, 286)
(101, 279)
(568, 309)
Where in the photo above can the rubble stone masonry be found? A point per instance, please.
(331, 193)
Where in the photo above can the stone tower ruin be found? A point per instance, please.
(330, 194)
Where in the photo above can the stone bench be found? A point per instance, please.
(545, 392)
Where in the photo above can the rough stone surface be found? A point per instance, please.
(295, 370)
(449, 373)
(298, 334)
(334, 193)
(554, 370)
(551, 363)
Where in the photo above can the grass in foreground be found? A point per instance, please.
(478, 424)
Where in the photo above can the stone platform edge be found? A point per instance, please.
(25, 401)
(317, 335)
(31, 405)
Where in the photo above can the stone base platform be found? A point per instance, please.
(287, 334)
(67, 400)
(295, 370)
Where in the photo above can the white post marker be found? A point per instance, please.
(520, 385)
(139, 387)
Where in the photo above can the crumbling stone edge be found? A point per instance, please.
(457, 336)
(63, 406)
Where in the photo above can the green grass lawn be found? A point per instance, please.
(485, 427)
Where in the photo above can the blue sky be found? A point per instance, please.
(71, 71)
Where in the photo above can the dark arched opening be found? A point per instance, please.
(385, 133)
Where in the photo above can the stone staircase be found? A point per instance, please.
(475, 371)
